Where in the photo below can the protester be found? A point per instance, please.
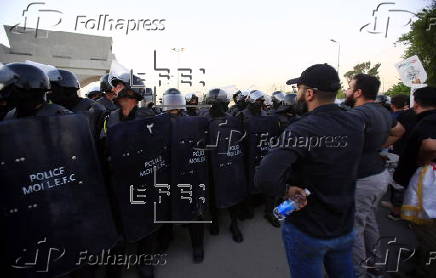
(320, 234)
(372, 175)
(421, 150)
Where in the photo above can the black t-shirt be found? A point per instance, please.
(408, 120)
(425, 128)
(321, 151)
(378, 123)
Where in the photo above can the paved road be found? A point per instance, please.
(261, 255)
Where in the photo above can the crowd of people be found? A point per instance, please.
(286, 144)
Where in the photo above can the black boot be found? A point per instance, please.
(196, 233)
(198, 254)
(214, 229)
(146, 271)
(164, 237)
(236, 233)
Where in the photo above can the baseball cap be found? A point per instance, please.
(320, 76)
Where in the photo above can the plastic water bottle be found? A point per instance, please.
(287, 207)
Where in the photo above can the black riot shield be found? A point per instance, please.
(227, 161)
(261, 130)
(55, 210)
(140, 158)
(189, 168)
(95, 121)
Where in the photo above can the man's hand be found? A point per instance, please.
(297, 194)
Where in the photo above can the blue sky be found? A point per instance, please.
(258, 44)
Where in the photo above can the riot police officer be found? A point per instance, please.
(27, 93)
(191, 99)
(148, 101)
(224, 193)
(94, 92)
(251, 117)
(64, 91)
(240, 99)
(277, 99)
(173, 103)
(285, 112)
(7, 77)
(255, 103)
(108, 97)
(128, 100)
(254, 107)
(26, 89)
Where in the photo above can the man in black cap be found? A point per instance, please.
(319, 152)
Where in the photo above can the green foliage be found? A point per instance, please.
(421, 41)
(364, 67)
(341, 93)
(398, 89)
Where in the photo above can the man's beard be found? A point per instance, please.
(350, 101)
(301, 107)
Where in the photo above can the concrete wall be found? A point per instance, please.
(89, 57)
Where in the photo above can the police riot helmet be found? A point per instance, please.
(191, 97)
(7, 77)
(93, 91)
(52, 72)
(268, 100)
(256, 95)
(217, 95)
(29, 77)
(69, 80)
(290, 99)
(174, 99)
(278, 96)
(243, 95)
(105, 86)
(148, 95)
(123, 77)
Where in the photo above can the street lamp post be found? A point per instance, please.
(178, 50)
(339, 50)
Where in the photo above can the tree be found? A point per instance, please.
(364, 67)
(341, 94)
(421, 41)
(398, 89)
